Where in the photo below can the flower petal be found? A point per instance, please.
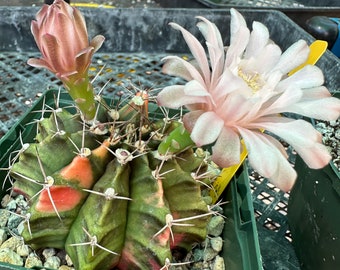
(280, 103)
(174, 97)
(52, 54)
(264, 61)
(197, 51)
(227, 148)
(190, 118)
(259, 38)
(267, 159)
(237, 48)
(207, 128)
(176, 66)
(83, 60)
(324, 109)
(227, 83)
(97, 42)
(300, 134)
(39, 63)
(236, 22)
(294, 56)
(215, 46)
(194, 88)
(315, 93)
(239, 37)
(308, 77)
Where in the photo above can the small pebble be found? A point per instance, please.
(215, 226)
(65, 267)
(68, 260)
(9, 256)
(200, 266)
(207, 200)
(5, 200)
(218, 263)
(3, 236)
(33, 260)
(14, 221)
(337, 134)
(52, 262)
(12, 243)
(209, 254)
(21, 202)
(198, 255)
(23, 250)
(11, 206)
(216, 243)
(4, 216)
(333, 123)
(48, 252)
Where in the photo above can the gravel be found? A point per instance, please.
(13, 250)
(331, 138)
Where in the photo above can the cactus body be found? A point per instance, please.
(107, 198)
(103, 217)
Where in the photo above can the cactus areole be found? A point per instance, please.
(112, 201)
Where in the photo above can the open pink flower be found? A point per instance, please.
(239, 91)
(61, 35)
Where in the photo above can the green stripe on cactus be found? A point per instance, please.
(103, 215)
(146, 216)
(59, 120)
(184, 196)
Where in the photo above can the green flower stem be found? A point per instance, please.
(81, 91)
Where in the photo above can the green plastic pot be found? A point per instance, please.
(313, 216)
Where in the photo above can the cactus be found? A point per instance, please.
(124, 198)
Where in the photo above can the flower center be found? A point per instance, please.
(253, 80)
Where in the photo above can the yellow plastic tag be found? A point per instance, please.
(317, 49)
(91, 5)
(225, 177)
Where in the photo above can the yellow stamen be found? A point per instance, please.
(252, 80)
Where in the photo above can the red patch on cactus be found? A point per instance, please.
(178, 238)
(130, 261)
(79, 170)
(64, 199)
(163, 238)
(154, 265)
(127, 256)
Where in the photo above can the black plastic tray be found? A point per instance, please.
(298, 10)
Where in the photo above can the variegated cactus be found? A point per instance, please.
(117, 192)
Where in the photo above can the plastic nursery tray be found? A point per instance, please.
(131, 55)
(241, 248)
(297, 10)
(277, 4)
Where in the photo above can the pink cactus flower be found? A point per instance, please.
(237, 92)
(61, 36)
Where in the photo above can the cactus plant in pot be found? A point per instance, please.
(118, 188)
